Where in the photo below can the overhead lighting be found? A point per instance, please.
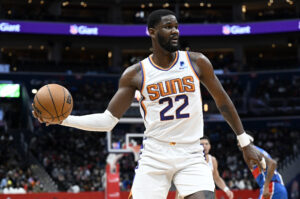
(273, 45)
(83, 4)
(34, 91)
(82, 48)
(10, 54)
(290, 44)
(2, 49)
(209, 5)
(109, 54)
(9, 12)
(244, 9)
(202, 4)
(150, 5)
(260, 55)
(42, 47)
(67, 48)
(187, 5)
(29, 1)
(205, 107)
(65, 3)
(29, 46)
(42, 2)
(143, 5)
(270, 2)
(165, 5)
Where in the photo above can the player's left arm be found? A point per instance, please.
(208, 78)
(219, 181)
(214, 87)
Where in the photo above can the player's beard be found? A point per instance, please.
(166, 44)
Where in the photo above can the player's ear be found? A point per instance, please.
(151, 32)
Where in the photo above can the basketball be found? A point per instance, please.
(53, 103)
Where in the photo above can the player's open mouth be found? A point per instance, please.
(174, 40)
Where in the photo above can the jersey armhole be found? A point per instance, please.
(191, 65)
(143, 76)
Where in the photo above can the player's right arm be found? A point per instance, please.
(271, 165)
(129, 82)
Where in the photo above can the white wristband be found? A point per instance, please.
(243, 139)
(226, 189)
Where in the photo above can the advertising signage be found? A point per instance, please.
(104, 30)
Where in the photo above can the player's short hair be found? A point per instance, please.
(155, 17)
(205, 138)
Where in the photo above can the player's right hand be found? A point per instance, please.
(229, 194)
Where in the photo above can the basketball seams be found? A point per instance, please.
(59, 115)
(62, 108)
(37, 99)
(53, 102)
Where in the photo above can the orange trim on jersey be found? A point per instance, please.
(143, 86)
(190, 63)
(144, 77)
(161, 68)
(143, 106)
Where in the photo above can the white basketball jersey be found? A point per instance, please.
(171, 103)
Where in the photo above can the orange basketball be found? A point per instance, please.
(53, 103)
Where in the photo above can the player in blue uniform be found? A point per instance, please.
(269, 181)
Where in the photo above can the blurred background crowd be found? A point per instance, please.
(261, 74)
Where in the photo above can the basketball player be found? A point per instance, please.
(268, 179)
(171, 106)
(213, 164)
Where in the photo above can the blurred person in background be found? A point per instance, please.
(213, 164)
(268, 179)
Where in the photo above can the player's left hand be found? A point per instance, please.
(252, 156)
(266, 192)
(229, 194)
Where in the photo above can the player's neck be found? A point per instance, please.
(206, 157)
(163, 58)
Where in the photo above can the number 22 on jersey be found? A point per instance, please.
(169, 102)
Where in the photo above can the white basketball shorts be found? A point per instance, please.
(162, 162)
